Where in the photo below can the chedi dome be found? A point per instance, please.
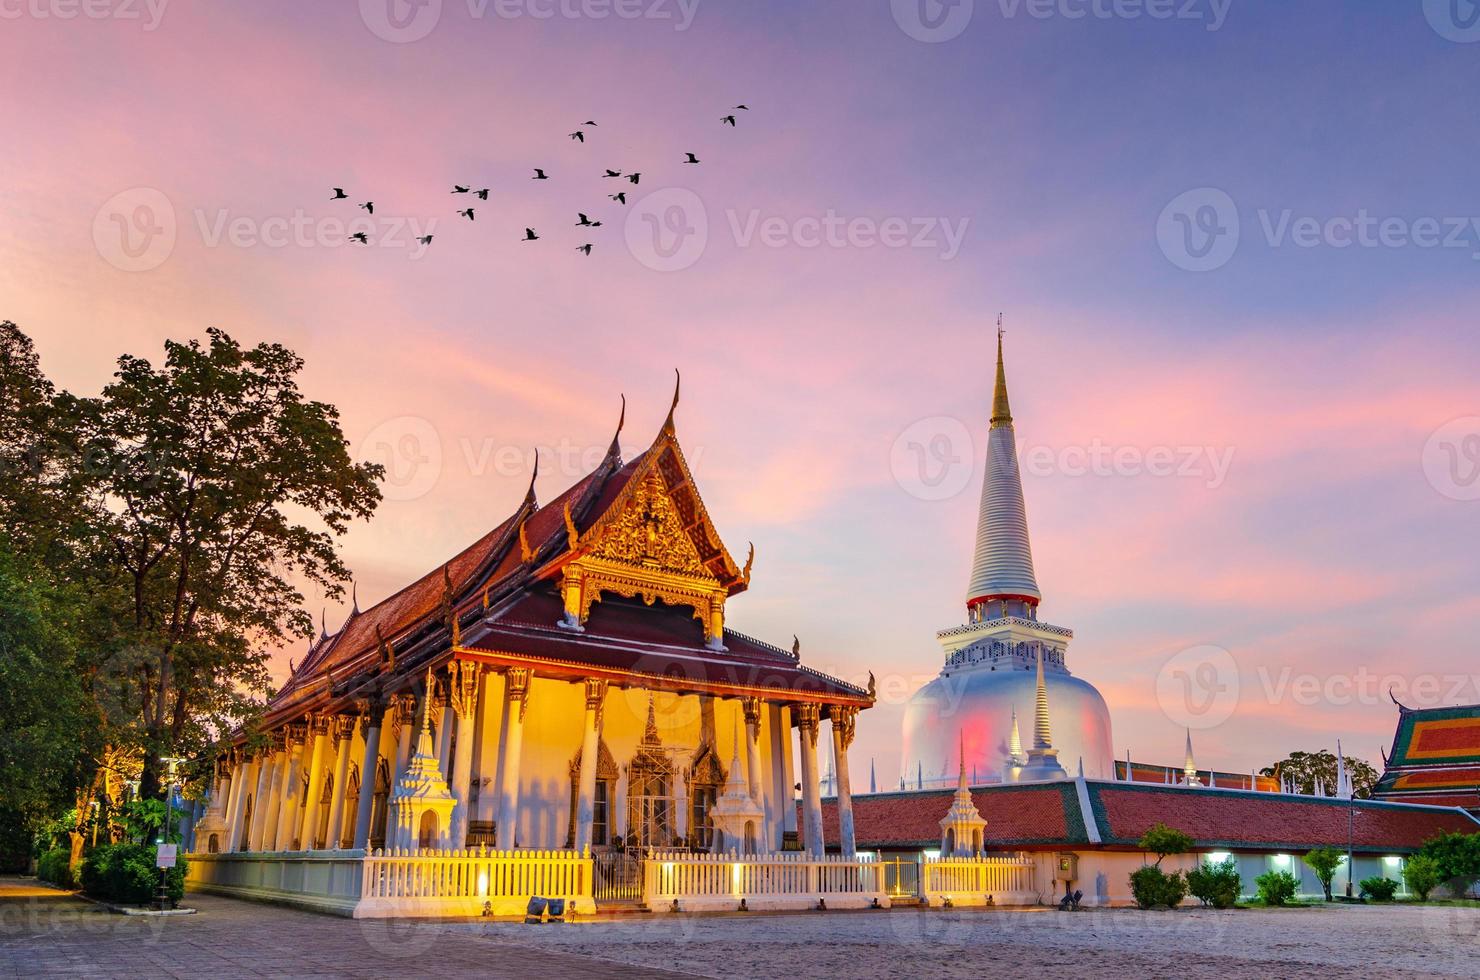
(1005, 695)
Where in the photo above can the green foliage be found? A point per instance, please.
(125, 873)
(1422, 875)
(144, 820)
(1457, 857)
(1155, 888)
(1162, 840)
(55, 866)
(1323, 862)
(1277, 887)
(1218, 885)
(1379, 889)
(1304, 769)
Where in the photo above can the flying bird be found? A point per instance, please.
(728, 120)
(612, 173)
(539, 174)
(692, 159)
(339, 194)
(530, 236)
(634, 177)
(743, 106)
(578, 135)
(586, 222)
(459, 189)
(584, 248)
(360, 237)
(467, 213)
(620, 198)
(483, 194)
(369, 206)
(588, 122)
(425, 239)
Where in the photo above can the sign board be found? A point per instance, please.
(165, 856)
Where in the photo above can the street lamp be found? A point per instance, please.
(162, 898)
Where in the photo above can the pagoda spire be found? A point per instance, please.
(1002, 577)
(1042, 732)
(1189, 766)
(1015, 742)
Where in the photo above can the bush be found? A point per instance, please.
(1277, 887)
(1379, 889)
(1324, 861)
(1218, 885)
(125, 873)
(1162, 840)
(1154, 888)
(55, 866)
(1422, 874)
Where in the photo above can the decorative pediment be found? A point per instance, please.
(606, 764)
(647, 533)
(707, 770)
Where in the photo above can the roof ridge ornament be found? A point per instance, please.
(677, 385)
(614, 451)
(572, 535)
(529, 495)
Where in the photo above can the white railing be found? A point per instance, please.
(471, 882)
(764, 881)
(973, 880)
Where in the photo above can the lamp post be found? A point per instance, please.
(161, 900)
(1351, 838)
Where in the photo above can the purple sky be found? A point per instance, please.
(1239, 246)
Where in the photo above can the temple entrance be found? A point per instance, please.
(617, 878)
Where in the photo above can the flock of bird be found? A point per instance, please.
(530, 235)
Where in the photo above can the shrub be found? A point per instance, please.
(1218, 885)
(1154, 888)
(1324, 861)
(1277, 887)
(1423, 875)
(1379, 889)
(125, 873)
(1457, 857)
(1162, 840)
(55, 866)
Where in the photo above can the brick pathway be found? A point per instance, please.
(45, 933)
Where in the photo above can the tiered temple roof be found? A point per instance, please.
(1435, 758)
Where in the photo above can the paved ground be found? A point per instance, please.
(47, 933)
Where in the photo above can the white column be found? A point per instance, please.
(405, 725)
(221, 798)
(298, 749)
(442, 717)
(843, 720)
(370, 724)
(752, 708)
(284, 757)
(308, 813)
(462, 682)
(344, 733)
(516, 700)
(786, 774)
(590, 750)
(808, 721)
(261, 799)
(235, 831)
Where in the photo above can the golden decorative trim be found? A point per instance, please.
(462, 682)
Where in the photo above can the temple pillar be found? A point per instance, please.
(590, 748)
(287, 825)
(261, 799)
(844, 720)
(786, 776)
(405, 722)
(344, 733)
(308, 813)
(808, 716)
(462, 682)
(284, 755)
(516, 700)
(442, 718)
(235, 831)
(752, 708)
(370, 723)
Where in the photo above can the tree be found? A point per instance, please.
(1305, 768)
(1162, 840)
(216, 488)
(1324, 861)
(1422, 875)
(1457, 857)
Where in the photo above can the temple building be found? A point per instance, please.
(1005, 663)
(568, 685)
(1435, 758)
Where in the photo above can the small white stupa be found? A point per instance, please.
(421, 804)
(736, 816)
(963, 827)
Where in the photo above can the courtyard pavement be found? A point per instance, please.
(46, 933)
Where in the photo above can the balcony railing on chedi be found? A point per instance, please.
(967, 881)
(714, 882)
(410, 884)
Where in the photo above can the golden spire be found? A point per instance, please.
(1001, 410)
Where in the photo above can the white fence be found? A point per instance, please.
(965, 881)
(709, 882)
(471, 882)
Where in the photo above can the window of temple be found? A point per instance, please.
(750, 847)
(950, 842)
(381, 800)
(650, 801)
(351, 806)
(213, 844)
(246, 824)
(606, 781)
(705, 779)
(321, 837)
(976, 842)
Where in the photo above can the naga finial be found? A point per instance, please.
(873, 689)
(796, 646)
(749, 564)
(677, 385)
(571, 533)
(526, 553)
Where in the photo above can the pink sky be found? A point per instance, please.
(1320, 376)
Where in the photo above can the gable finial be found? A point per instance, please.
(749, 564)
(529, 495)
(677, 385)
(354, 596)
(571, 533)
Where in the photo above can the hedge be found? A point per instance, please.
(125, 873)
